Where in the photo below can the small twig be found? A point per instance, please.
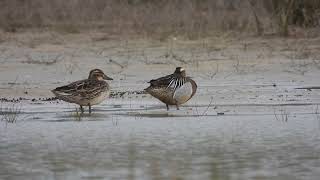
(14, 82)
(210, 103)
(214, 73)
(177, 58)
(236, 66)
(116, 63)
(275, 114)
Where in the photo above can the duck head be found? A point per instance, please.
(180, 71)
(98, 74)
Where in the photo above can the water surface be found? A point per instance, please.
(134, 141)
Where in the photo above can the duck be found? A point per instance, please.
(174, 89)
(87, 92)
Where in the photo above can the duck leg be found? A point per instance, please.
(177, 106)
(81, 109)
(89, 108)
(167, 107)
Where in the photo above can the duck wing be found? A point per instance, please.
(162, 81)
(85, 88)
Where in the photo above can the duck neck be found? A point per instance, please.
(99, 78)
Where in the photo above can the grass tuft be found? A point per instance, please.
(10, 113)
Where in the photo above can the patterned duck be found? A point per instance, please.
(85, 92)
(174, 89)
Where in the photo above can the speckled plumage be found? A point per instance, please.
(173, 89)
(85, 92)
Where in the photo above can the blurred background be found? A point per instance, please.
(191, 19)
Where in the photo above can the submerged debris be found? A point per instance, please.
(10, 100)
(309, 88)
(118, 94)
(123, 93)
(19, 99)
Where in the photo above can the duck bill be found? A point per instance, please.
(105, 77)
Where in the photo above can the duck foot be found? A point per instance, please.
(89, 109)
(177, 106)
(81, 109)
(167, 107)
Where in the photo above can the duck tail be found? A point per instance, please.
(59, 92)
(147, 89)
(152, 82)
(55, 92)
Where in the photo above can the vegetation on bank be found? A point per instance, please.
(162, 18)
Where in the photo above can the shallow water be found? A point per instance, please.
(246, 121)
(128, 140)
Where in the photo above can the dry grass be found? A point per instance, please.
(161, 19)
(282, 115)
(10, 113)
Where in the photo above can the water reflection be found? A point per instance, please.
(174, 145)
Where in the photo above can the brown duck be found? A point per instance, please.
(86, 92)
(173, 89)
